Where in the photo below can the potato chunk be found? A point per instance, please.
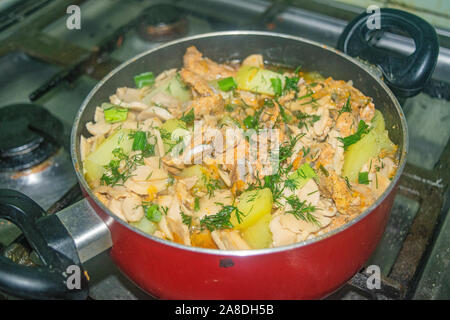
(257, 80)
(95, 162)
(369, 146)
(259, 236)
(254, 205)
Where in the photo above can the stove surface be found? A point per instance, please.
(46, 63)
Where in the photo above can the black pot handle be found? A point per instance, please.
(52, 242)
(406, 76)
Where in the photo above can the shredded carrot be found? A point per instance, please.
(296, 163)
(237, 186)
(203, 240)
(151, 192)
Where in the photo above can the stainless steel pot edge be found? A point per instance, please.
(242, 253)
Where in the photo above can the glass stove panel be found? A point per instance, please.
(99, 19)
(133, 44)
(65, 100)
(429, 129)
(20, 75)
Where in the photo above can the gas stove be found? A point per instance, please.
(50, 68)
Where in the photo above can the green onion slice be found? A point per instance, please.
(140, 141)
(227, 84)
(363, 177)
(114, 113)
(144, 79)
(152, 213)
(276, 85)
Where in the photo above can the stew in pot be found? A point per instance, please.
(241, 155)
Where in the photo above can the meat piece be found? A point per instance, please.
(280, 235)
(132, 209)
(130, 94)
(349, 198)
(183, 194)
(151, 112)
(338, 157)
(116, 207)
(326, 155)
(166, 100)
(254, 60)
(165, 75)
(367, 112)
(100, 128)
(204, 67)
(225, 177)
(249, 99)
(309, 193)
(212, 205)
(323, 125)
(179, 231)
(336, 187)
(199, 84)
(135, 105)
(290, 222)
(345, 123)
(326, 208)
(207, 105)
(116, 192)
(85, 147)
(229, 240)
(140, 188)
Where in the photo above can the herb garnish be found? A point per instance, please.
(113, 175)
(122, 165)
(363, 128)
(306, 119)
(346, 107)
(152, 211)
(277, 86)
(347, 182)
(287, 148)
(291, 84)
(301, 210)
(140, 143)
(221, 220)
(324, 171)
(196, 204)
(188, 117)
(251, 122)
(363, 177)
(187, 220)
(211, 185)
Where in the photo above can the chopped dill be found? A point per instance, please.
(196, 204)
(187, 220)
(301, 210)
(346, 107)
(363, 128)
(221, 220)
(188, 117)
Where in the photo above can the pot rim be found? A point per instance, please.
(251, 252)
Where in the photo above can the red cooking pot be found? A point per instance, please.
(305, 270)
